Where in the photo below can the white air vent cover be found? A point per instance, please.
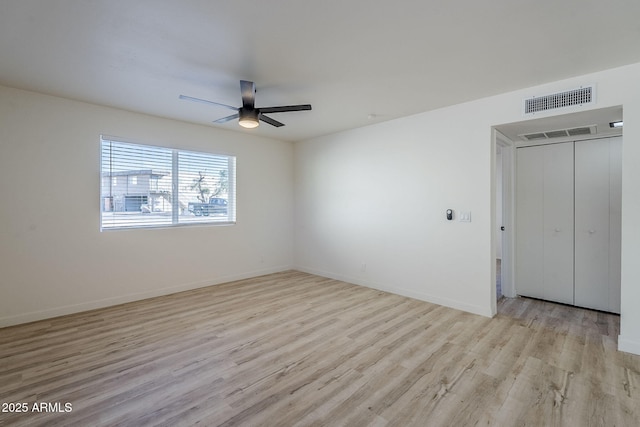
(560, 133)
(580, 96)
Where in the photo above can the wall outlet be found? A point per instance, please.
(363, 268)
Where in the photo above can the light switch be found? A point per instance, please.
(465, 216)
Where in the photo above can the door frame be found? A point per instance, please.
(507, 148)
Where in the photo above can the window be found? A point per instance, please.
(167, 187)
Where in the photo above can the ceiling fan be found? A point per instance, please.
(248, 115)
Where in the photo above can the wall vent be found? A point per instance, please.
(580, 96)
(581, 131)
(560, 133)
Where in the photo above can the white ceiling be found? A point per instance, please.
(350, 59)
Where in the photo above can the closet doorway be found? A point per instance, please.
(551, 130)
(568, 220)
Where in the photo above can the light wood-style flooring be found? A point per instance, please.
(293, 349)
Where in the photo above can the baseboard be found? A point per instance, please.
(474, 309)
(628, 346)
(108, 302)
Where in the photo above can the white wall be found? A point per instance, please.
(53, 258)
(378, 195)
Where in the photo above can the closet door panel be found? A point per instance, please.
(598, 223)
(544, 227)
(592, 222)
(529, 222)
(558, 234)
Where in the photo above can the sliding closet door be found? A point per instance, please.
(597, 223)
(544, 212)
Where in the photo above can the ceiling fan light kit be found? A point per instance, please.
(248, 116)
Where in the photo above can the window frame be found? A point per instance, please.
(179, 216)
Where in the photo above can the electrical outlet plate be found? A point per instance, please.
(465, 216)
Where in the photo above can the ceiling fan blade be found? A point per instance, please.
(248, 90)
(270, 121)
(204, 101)
(285, 108)
(226, 119)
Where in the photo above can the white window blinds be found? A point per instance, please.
(148, 186)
